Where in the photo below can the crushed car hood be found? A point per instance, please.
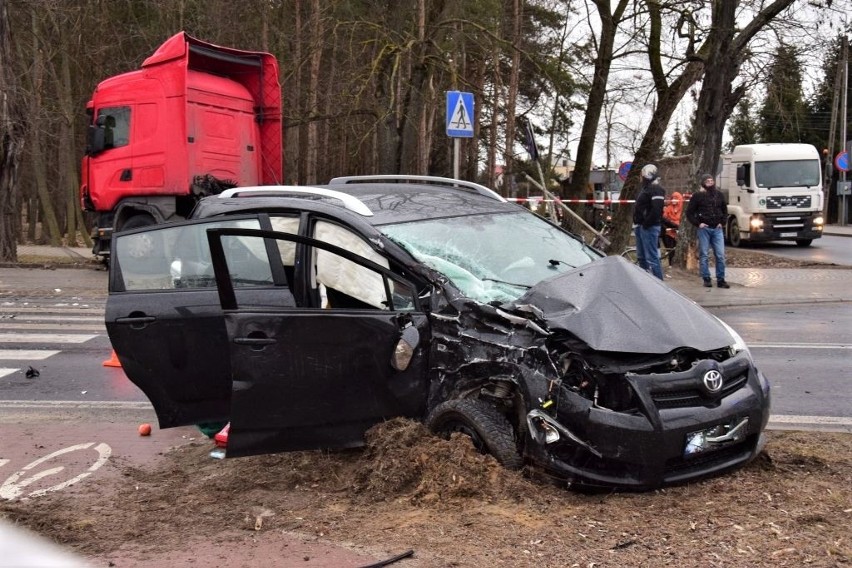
(613, 305)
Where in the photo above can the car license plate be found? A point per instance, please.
(715, 437)
(788, 234)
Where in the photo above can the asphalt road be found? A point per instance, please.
(828, 248)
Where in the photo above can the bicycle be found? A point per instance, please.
(665, 251)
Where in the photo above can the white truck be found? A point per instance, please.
(774, 193)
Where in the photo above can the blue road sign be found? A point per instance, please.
(841, 161)
(459, 114)
(624, 169)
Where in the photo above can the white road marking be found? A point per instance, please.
(40, 309)
(64, 326)
(35, 354)
(12, 488)
(74, 404)
(4, 372)
(44, 338)
(58, 319)
(798, 345)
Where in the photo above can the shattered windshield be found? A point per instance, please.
(492, 257)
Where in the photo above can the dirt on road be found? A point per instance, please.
(408, 490)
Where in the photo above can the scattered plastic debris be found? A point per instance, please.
(32, 373)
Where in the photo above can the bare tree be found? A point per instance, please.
(725, 53)
(670, 92)
(12, 134)
(610, 19)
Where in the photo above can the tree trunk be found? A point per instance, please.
(316, 27)
(50, 226)
(717, 101)
(597, 94)
(12, 134)
(514, 79)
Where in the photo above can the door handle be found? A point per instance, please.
(254, 341)
(136, 322)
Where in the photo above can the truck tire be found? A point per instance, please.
(143, 248)
(804, 242)
(490, 431)
(734, 233)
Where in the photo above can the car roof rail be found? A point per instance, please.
(349, 201)
(435, 180)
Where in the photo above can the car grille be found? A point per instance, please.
(694, 397)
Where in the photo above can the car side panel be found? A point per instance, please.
(324, 378)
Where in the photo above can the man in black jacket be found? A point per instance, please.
(647, 217)
(708, 211)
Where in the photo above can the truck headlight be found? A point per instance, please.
(756, 223)
(819, 220)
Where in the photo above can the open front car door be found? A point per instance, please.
(318, 375)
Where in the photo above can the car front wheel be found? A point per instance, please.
(490, 431)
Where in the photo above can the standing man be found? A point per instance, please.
(647, 217)
(708, 211)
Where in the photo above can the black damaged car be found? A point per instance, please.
(305, 315)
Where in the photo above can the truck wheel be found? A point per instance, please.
(734, 233)
(804, 242)
(490, 431)
(142, 248)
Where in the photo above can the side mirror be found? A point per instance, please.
(95, 139)
(405, 347)
(744, 176)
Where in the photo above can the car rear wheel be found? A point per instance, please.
(490, 431)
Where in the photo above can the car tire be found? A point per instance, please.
(734, 238)
(490, 431)
(804, 242)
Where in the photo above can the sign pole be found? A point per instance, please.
(456, 157)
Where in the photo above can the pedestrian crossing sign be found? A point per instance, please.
(459, 114)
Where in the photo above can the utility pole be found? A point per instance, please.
(843, 209)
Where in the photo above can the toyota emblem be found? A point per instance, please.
(713, 381)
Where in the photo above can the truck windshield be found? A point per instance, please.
(787, 173)
(492, 257)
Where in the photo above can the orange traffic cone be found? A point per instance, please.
(112, 361)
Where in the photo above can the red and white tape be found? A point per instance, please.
(593, 201)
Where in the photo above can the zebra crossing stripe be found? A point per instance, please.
(44, 338)
(64, 326)
(34, 354)
(4, 372)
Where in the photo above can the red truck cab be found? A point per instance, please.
(195, 119)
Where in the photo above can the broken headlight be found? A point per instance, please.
(738, 344)
(607, 390)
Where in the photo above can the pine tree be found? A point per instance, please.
(743, 129)
(783, 116)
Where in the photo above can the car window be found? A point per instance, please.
(341, 283)
(492, 257)
(173, 257)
